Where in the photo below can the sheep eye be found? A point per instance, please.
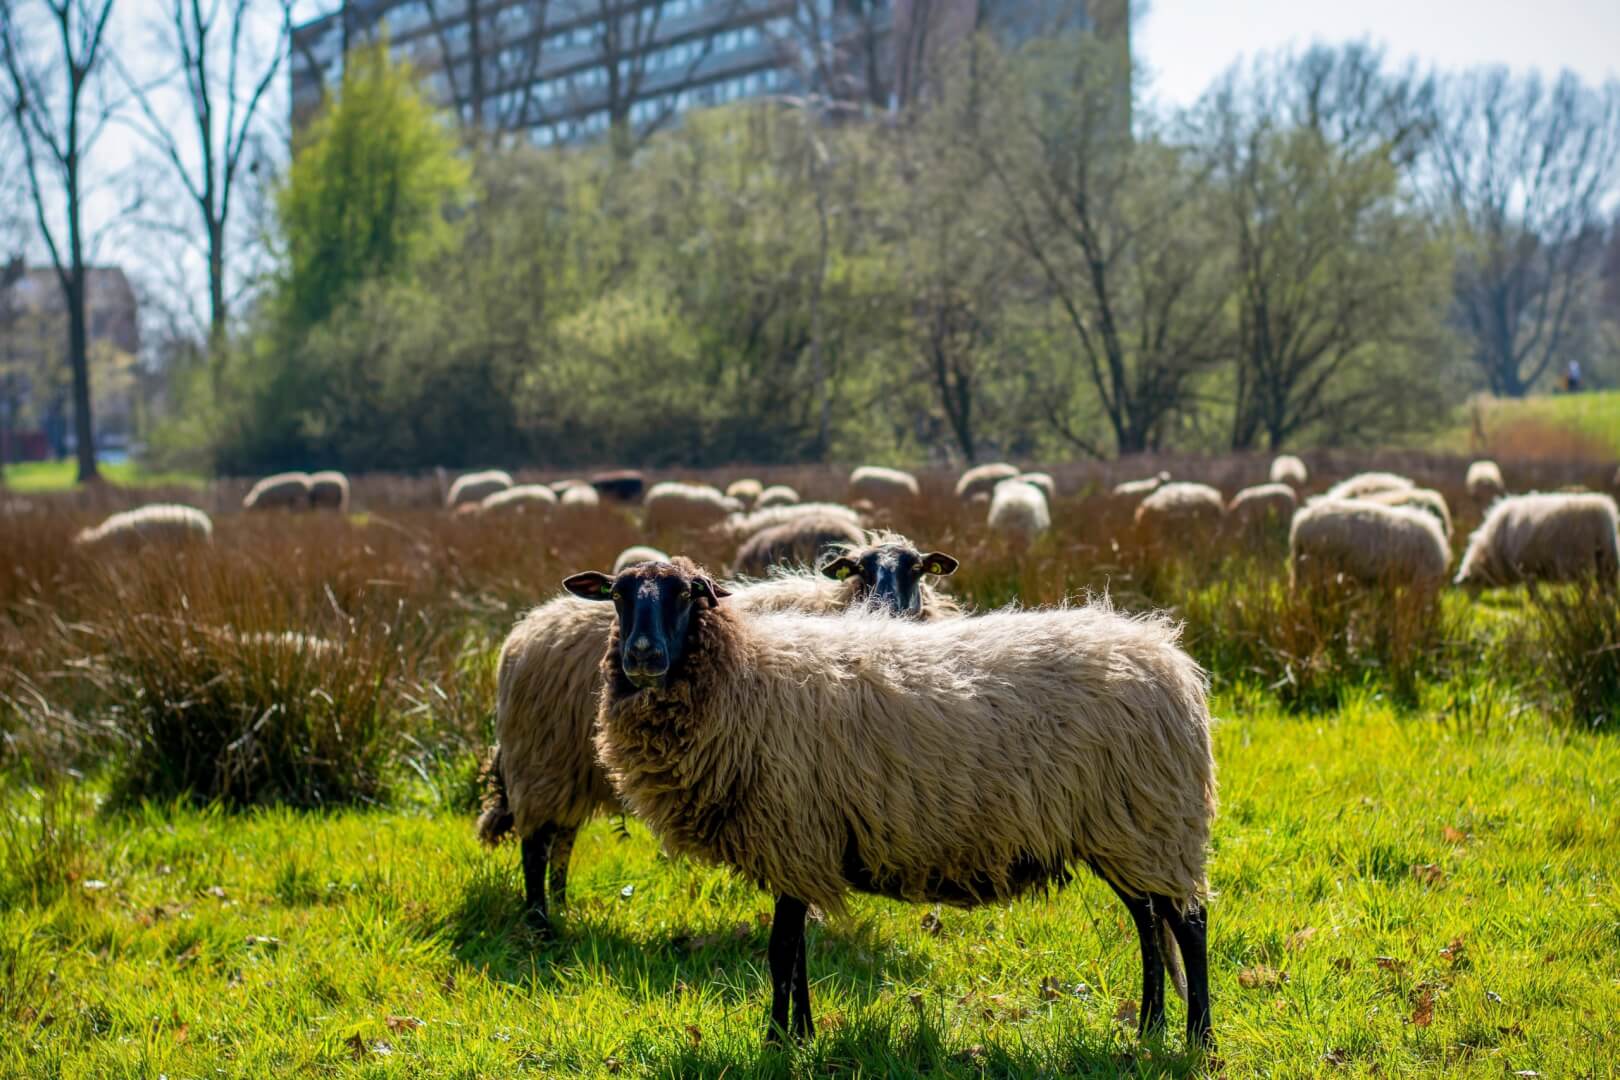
(617, 595)
(686, 594)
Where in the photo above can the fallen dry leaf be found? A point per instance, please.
(931, 923)
(612, 1064)
(1456, 952)
(763, 918)
(1454, 836)
(182, 1032)
(1338, 1058)
(1051, 989)
(1428, 873)
(1423, 1011)
(1261, 977)
(1388, 963)
(187, 958)
(403, 1023)
(694, 1033)
(1299, 938)
(1127, 1012)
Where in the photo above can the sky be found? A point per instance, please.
(1185, 44)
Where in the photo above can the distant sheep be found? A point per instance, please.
(804, 541)
(1043, 481)
(157, 524)
(881, 486)
(1288, 469)
(1543, 537)
(982, 479)
(620, 485)
(672, 505)
(1367, 542)
(283, 491)
(1180, 503)
(329, 490)
(1368, 484)
(522, 499)
(559, 486)
(639, 554)
(477, 486)
(1484, 481)
(1140, 489)
(1019, 510)
(1262, 506)
(1418, 498)
(776, 495)
(580, 497)
(746, 491)
(742, 526)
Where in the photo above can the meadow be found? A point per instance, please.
(225, 853)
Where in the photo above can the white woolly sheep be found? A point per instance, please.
(741, 526)
(155, 524)
(1484, 481)
(776, 495)
(1181, 504)
(673, 505)
(329, 490)
(1420, 499)
(1263, 506)
(961, 761)
(982, 479)
(580, 497)
(804, 541)
(638, 554)
(283, 491)
(543, 781)
(1368, 484)
(559, 486)
(475, 487)
(521, 499)
(1288, 469)
(746, 491)
(1140, 489)
(1018, 510)
(1367, 542)
(1543, 537)
(882, 486)
(1043, 481)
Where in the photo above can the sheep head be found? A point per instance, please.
(890, 573)
(655, 601)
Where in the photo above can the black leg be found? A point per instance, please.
(1151, 1019)
(786, 956)
(1192, 934)
(536, 854)
(804, 1027)
(562, 849)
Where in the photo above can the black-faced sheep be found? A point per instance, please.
(962, 761)
(1367, 542)
(1543, 537)
(982, 479)
(882, 486)
(802, 542)
(157, 524)
(673, 505)
(1369, 483)
(1484, 481)
(543, 781)
(620, 485)
(1018, 510)
(329, 490)
(283, 491)
(1288, 469)
(473, 488)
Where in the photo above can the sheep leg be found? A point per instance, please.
(1191, 931)
(804, 1026)
(786, 954)
(562, 849)
(1151, 1021)
(536, 854)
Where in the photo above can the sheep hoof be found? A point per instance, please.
(539, 925)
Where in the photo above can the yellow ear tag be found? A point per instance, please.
(934, 568)
(843, 572)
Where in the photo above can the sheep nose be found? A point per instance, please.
(646, 655)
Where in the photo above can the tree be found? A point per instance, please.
(57, 129)
(1525, 171)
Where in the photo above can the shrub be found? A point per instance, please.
(1578, 628)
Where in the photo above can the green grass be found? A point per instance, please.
(1589, 420)
(39, 477)
(191, 942)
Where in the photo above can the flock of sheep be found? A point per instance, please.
(830, 720)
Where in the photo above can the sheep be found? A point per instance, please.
(1484, 481)
(746, 491)
(620, 485)
(803, 541)
(522, 499)
(1043, 481)
(742, 526)
(638, 554)
(982, 479)
(1367, 542)
(881, 486)
(1368, 484)
(1179, 504)
(1543, 537)
(1262, 506)
(155, 523)
(329, 490)
(1418, 498)
(559, 486)
(672, 505)
(475, 487)
(1140, 489)
(580, 497)
(1018, 510)
(776, 495)
(1288, 469)
(542, 781)
(283, 491)
(961, 761)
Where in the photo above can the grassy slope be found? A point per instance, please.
(1593, 416)
(37, 477)
(370, 915)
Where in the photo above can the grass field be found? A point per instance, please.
(1547, 425)
(37, 477)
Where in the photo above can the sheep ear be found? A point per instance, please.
(591, 585)
(703, 586)
(939, 563)
(841, 568)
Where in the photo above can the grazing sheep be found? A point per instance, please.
(746, 491)
(802, 541)
(156, 523)
(1420, 499)
(982, 479)
(672, 505)
(1367, 542)
(776, 495)
(1368, 484)
(1019, 510)
(543, 781)
(638, 554)
(522, 499)
(1288, 469)
(559, 486)
(580, 497)
(1543, 537)
(283, 491)
(1140, 489)
(882, 487)
(1262, 507)
(620, 485)
(476, 487)
(962, 761)
(1484, 481)
(1181, 504)
(329, 490)
(742, 526)
(1043, 481)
